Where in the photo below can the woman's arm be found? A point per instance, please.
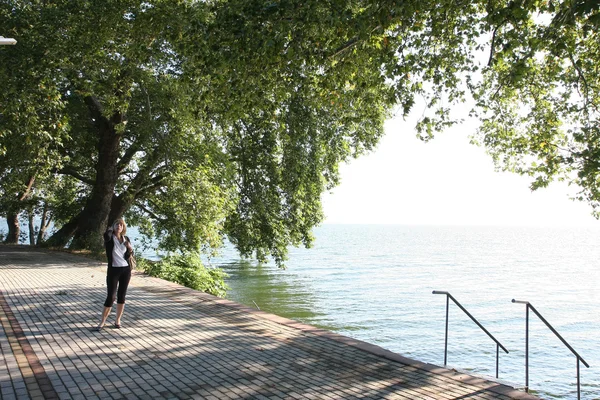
(129, 251)
(108, 235)
(108, 245)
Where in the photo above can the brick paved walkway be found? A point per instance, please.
(179, 344)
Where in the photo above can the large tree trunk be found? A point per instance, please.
(44, 225)
(62, 237)
(30, 217)
(93, 219)
(122, 203)
(118, 208)
(14, 229)
(12, 215)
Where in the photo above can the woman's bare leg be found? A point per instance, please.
(105, 315)
(120, 309)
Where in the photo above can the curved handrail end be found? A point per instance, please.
(583, 361)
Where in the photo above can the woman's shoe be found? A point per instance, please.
(98, 328)
(118, 326)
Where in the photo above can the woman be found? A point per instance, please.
(118, 251)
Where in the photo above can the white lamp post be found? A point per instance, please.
(4, 40)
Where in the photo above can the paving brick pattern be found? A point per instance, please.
(180, 344)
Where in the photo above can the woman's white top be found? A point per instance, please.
(118, 253)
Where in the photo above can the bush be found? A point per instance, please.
(187, 270)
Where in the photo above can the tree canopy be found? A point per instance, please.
(539, 103)
(229, 118)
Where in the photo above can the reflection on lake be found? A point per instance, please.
(274, 291)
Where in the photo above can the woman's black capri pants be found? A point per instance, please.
(117, 276)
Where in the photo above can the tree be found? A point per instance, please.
(539, 102)
(170, 97)
(200, 120)
(116, 70)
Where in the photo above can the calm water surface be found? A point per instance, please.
(375, 283)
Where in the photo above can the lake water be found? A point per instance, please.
(375, 283)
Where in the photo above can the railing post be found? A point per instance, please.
(578, 387)
(446, 336)
(527, 348)
(498, 344)
(527, 307)
(497, 359)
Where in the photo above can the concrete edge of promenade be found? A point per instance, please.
(172, 288)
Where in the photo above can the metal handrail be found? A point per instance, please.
(498, 344)
(579, 358)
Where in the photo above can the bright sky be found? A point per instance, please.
(447, 181)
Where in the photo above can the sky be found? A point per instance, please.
(447, 181)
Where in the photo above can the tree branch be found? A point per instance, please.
(156, 182)
(351, 43)
(492, 47)
(581, 77)
(127, 157)
(71, 172)
(28, 189)
(149, 212)
(95, 109)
